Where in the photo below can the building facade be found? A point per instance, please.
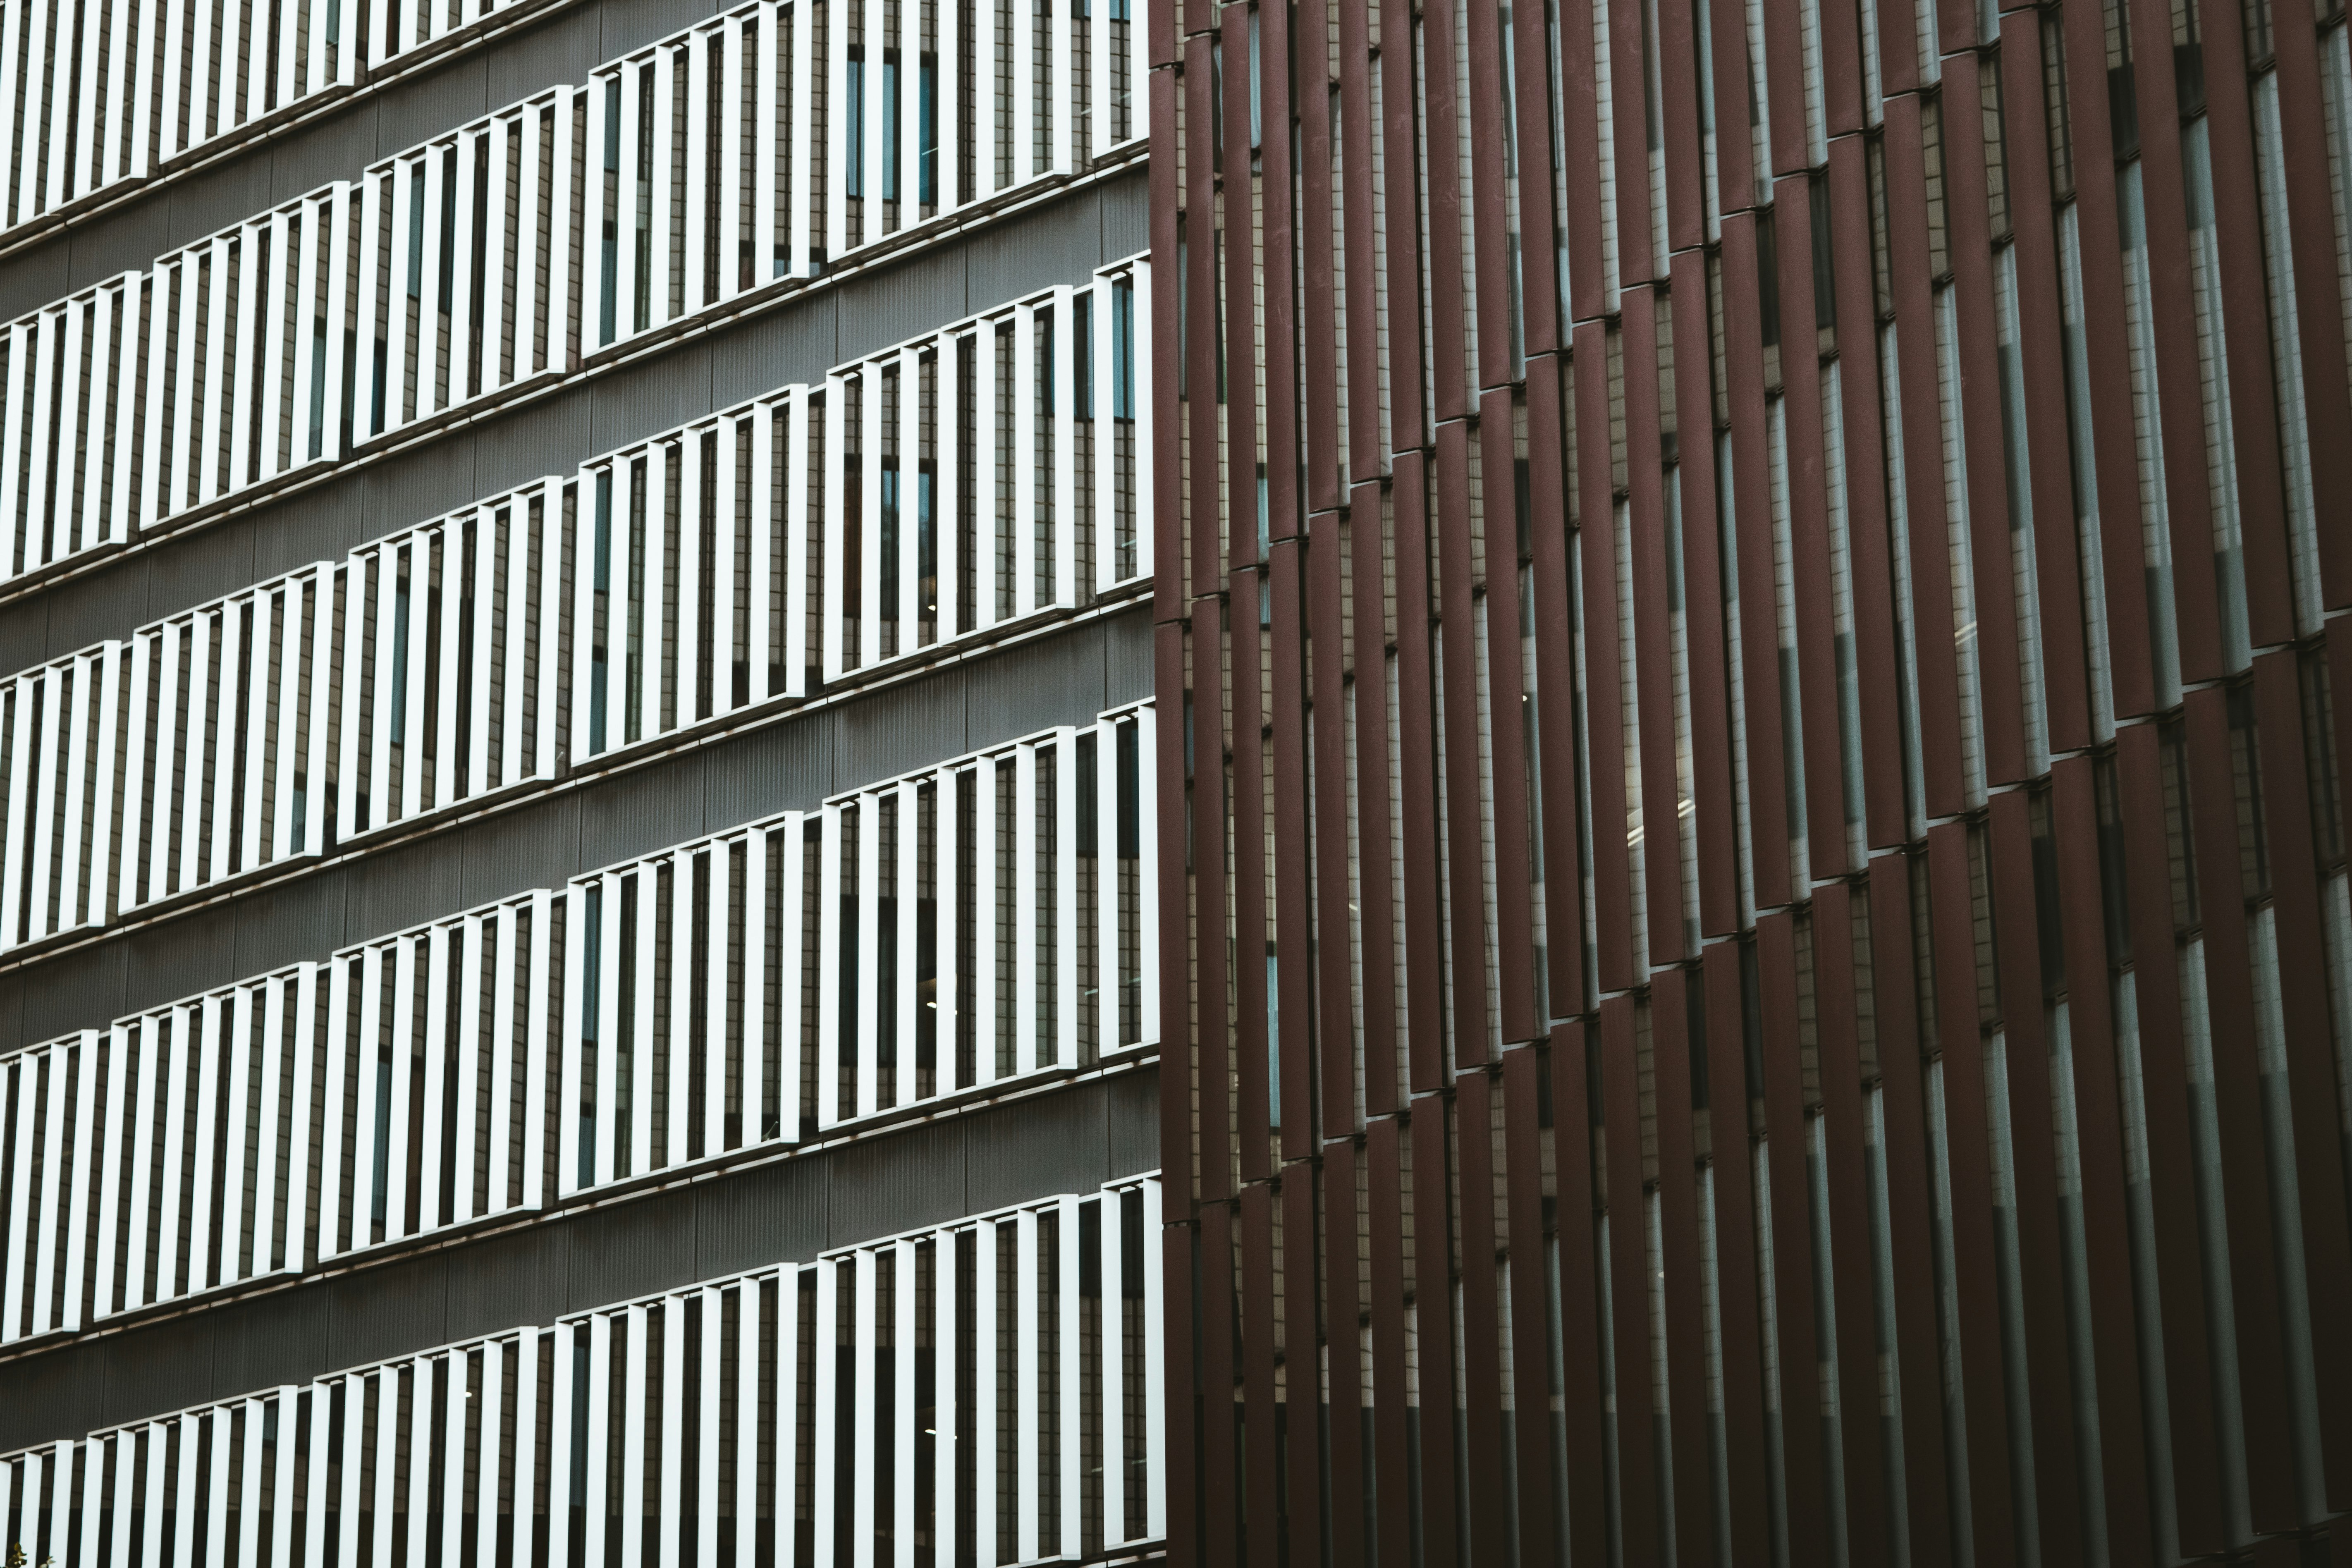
(1747, 596)
(934, 782)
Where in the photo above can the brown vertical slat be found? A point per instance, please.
(1183, 1488)
(1842, 80)
(2106, 355)
(1490, 196)
(1731, 1164)
(1485, 1506)
(1435, 1339)
(1540, 301)
(1238, 392)
(1343, 1343)
(1976, 338)
(1377, 894)
(2042, 364)
(1628, 67)
(1735, 147)
(1303, 1393)
(1260, 1482)
(2298, 930)
(1221, 1477)
(2033, 1144)
(1783, 70)
(1713, 801)
(1820, 745)
(1201, 505)
(1917, 1354)
(1877, 670)
(1424, 922)
(1679, 119)
(1967, 1156)
(2171, 1147)
(1335, 980)
(1320, 302)
(1211, 1020)
(1898, 46)
(1279, 237)
(1176, 1055)
(1653, 665)
(2264, 1401)
(1532, 1442)
(1514, 954)
(1293, 889)
(1401, 165)
(1788, 1192)
(1629, 1281)
(1441, 219)
(1845, 1180)
(1166, 349)
(2320, 308)
(2260, 486)
(1580, 1298)
(1691, 1490)
(1464, 816)
(1927, 520)
(1392, 1499)
(1580, 110)
(1365, 443)
(1247, 809)
(1556, 704)
(1596, 546)
(2171, 309)
(1751, 519)
(2098, 1121)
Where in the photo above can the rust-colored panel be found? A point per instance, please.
(1530, 1301)
(1485, 1506)
(1202, 503)
(1468, 946)
(1596, 553)
(1735, 147)
(1683, 1282)
(2098, 1128)
(2106, 355)
(2319, 309)
(1677, 28)
(1416, 725)
(1783, 69)
(1628, 70)
(1293, 888)
(1319, 299)
(2042, 364)
(1335, 1010)
(1910, 1209)
(2034, 1144)
(1490, 209)
(1630, 1344)
(1515, 951)
(1580, 1283)
(1441, 210)
(1976, 338)
(1392, 1497)
(1362, 314)
(1178, 1261)
(1551, 546)
(1374, 808)
(1169, 679)
(1252, 1063)
(2171, 1148)
(1731, 1165)
(1751, 530)
(1810, 569)
(1926, 518)
(1286, 519)
(1343, 1302)
(1967, 1154)
(1237, 389)
(1436, 1338)
(1714, 803)
(1877, 667)
(1789, 1186)
(1400, 166)
(1653, 663)
(1259, 1478)
(1302, 1377)
(1221, 1478)
(1531, 115)
(1211, 1017)
(2207, 753)
(1846, 1183)
(1579, 111)
(1168, 485)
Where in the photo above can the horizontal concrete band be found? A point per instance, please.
(799, 338)
(1071, 1137)
(409, 102)
(1067, 676)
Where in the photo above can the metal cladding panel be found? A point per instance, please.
(904, 728)
(777, 767)
(288, 922)
(409, 111)
(1748, 701)
(641, 810)
(400, 887)
(515, 1277)
(1044, 1144)
(278, 1336)
(531, 847)
(630, 1248)
(901, 1181)
(774, 1213)
(1032, 689)
(161, 1366)
(798, 343)
(47, 1395)
(668, 389)
(1132, 1138)
(383, 1311)
(73, 990)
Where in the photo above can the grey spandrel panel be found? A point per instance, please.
(213, 195)
(629, 22)
(45, 1398)
(565, 47)
(656, 394)
(398, 887)
(334, 146)
(1126, 657)
(424, 481)
(412, 110)
(798, 342)
(642, 810)
(630, 1249)
(785, 767)
(211, 561)
(509, 1280)
(902, 301)
(534, 846)
(178, 957)
(81, 988)
(543, 437)
(13, 984)
(1057, 680)
(897, 1183)
(159, 1367)
(1056, 1142)
(1132, 1134)
(32, 278)
(288, 922)
(75, 613)
(272, 1339)
(775, 1213)
(392, 1310)
(1060, 243)
(1126, 206)
(901, 728)
(111, 244)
